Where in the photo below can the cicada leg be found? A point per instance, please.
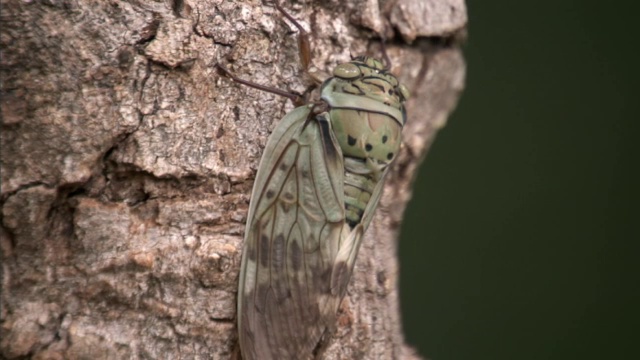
(304, 45)
(304, 48)
(295, 98)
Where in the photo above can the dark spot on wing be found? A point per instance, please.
(390, 156)
(352, 223)
(264, 250)
(351, 141)
(325, 280)
(270, 194)
(390, 92)
(261, 296)
(283, 167)
(278, 251)
(252, 253)
(384, 138)
(296, 255)
(288, 196)
(305, 174)
(368, 147)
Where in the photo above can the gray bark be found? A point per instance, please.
(127, 164)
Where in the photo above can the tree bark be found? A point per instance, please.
(127, 164)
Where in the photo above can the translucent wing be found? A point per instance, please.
(299, 252)
(294, 230)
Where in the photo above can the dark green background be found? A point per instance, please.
(521, 236)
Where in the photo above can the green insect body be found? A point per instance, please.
(316, 189)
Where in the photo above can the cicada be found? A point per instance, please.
(317, 187)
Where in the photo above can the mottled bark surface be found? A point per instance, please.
(127, 164)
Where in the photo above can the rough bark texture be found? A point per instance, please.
(127, 164)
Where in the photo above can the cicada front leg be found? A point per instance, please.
(304, 45)
(295, 98)
(304, 50)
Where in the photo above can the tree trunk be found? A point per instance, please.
(127, 164)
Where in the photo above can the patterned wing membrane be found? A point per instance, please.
(299, 252)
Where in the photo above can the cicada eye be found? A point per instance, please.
(347, 71)
(404, 91)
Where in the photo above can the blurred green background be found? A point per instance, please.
(520, 238)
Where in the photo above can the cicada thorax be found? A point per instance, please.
(366, 107)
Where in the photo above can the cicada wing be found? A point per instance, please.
(295, 227)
